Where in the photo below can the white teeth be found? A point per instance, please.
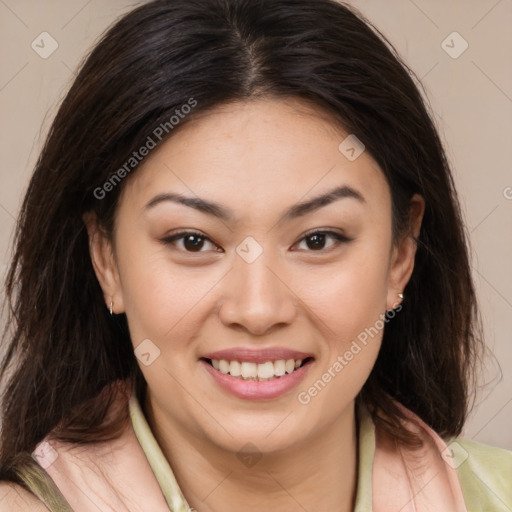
(257, 371)
(249, 370)
(265, 370)
(235, 368)
(224, 366)
(280, 367)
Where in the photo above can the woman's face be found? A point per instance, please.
(255, 288)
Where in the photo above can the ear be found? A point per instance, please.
(402, 255)
(103, 262)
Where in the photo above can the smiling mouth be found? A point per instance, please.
(260, 372)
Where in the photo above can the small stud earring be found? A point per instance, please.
(401, 295)
(111, 304)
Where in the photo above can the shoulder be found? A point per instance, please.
(15, 498)
(485, 474)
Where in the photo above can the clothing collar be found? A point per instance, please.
(172, 491)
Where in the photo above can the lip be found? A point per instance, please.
(257, 356)
(255, 390)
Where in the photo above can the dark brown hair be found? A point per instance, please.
(63, 347)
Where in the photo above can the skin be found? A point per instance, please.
(256, 158)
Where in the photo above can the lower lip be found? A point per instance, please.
(255, 390)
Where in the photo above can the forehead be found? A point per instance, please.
(257, 155)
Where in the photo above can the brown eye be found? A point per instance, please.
(316, 241)
(193, 241)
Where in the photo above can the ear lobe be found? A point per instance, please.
(402, 259)
(103, 262)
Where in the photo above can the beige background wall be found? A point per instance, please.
(470, 94)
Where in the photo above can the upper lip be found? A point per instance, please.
(256, 356)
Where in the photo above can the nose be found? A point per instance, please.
(257, 298)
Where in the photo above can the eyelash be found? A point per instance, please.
(339, 238)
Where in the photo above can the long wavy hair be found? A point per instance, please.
(62, 348)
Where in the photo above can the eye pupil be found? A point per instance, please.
(189, 240)
(318, 241)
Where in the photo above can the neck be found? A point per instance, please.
(319, 473)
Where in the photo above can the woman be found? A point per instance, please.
(241, 279)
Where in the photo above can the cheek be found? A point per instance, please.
(350, 295)
(158, 295)
(351, 326)
(348, 302)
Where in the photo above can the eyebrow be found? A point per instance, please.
(297, 210)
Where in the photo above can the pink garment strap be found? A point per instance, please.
(408, 480)
(113, 476)
(117, 477)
